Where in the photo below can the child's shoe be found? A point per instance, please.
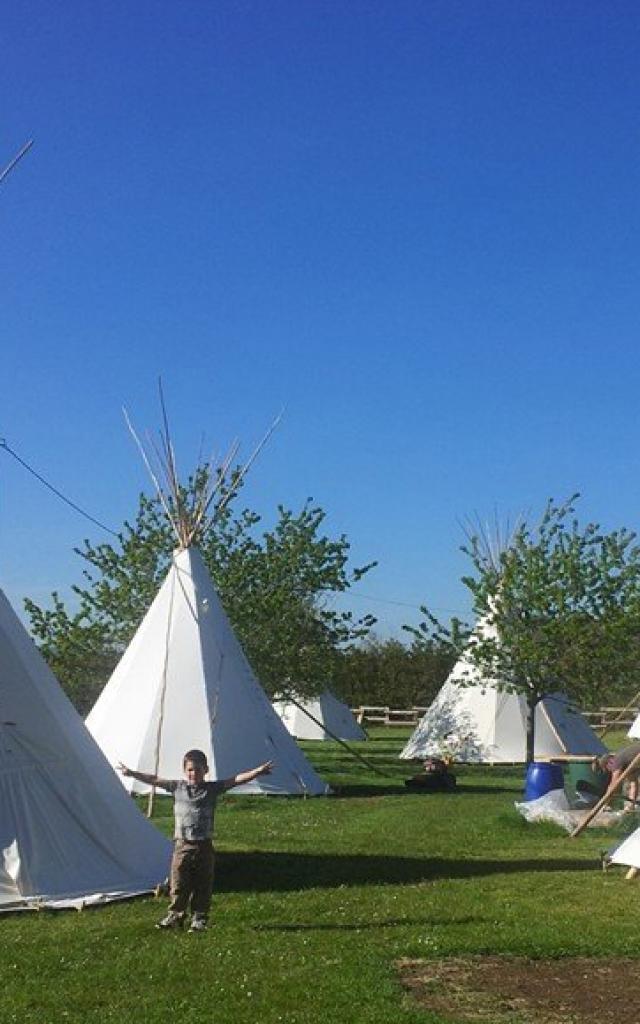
(198, 923)
(171, 920)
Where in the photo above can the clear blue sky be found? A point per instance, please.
(412, 223)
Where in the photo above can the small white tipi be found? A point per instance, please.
(323, 718)
(477, 722)
(69, 834)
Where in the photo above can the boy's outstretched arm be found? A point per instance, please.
(147, 777)
(248, 776)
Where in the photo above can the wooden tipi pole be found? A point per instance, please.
(337, 739)
(604, 800)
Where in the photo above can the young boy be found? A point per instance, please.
(194, 802)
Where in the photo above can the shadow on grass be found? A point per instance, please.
(290, 872)
(360, 926)
(353, 789)
(472, 787)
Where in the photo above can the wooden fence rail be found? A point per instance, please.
(388, 716)
(603, 718)
(606, 717)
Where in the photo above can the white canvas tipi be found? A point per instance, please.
(634, 731)
(185, 682)
(323, 718)
(627, 852)
(477, 722)
(69, 834)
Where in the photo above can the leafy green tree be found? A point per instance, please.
(276, 587)
(558, 610)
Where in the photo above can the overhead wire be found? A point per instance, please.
(12, 163)
(54, 490)
(401, 604)
(87, 515)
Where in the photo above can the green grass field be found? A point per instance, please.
(317, 899)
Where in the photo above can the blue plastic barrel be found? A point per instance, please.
(541, 778)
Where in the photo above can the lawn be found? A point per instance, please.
(317, 900)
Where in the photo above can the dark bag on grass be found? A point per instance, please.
(436, 778)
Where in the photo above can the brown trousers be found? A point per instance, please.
(191, 876)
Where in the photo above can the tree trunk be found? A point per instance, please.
(531, 725)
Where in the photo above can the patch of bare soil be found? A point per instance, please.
(515, 990)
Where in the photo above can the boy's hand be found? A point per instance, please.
(266, 768)
(122, 768)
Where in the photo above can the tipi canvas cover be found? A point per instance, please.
(628, 852)
(324, 718)
(69, 834)
(634, 731)
(477, 722)
(184, 682)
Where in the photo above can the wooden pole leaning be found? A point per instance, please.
(337, 739)
(163, 694)
(604, 800)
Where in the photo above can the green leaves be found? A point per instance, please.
(276, 590)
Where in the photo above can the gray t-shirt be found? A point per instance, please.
(193, 807)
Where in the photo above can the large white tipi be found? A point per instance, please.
(69, 834)
(184, 682)
(477, 722)
(323, 718)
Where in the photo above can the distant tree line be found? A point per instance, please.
(388, 673)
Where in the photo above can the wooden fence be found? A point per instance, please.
(603, 718)
(389, 716)
(609, 718)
